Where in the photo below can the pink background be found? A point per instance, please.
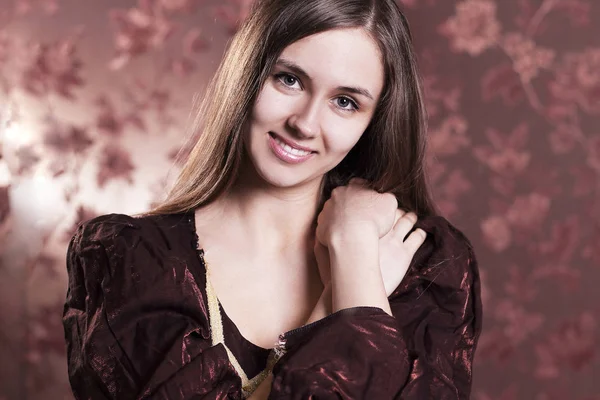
(95, 98)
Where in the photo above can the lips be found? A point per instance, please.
(287, 153)
(290, 143)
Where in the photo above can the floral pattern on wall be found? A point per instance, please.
(96, 99)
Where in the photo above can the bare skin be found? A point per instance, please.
(259, 238)
(271, 270)
(264, 285)
(361, 259)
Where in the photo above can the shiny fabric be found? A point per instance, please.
(136, 323)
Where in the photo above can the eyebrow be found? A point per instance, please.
(299, 71)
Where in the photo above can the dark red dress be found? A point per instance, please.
(141, 322)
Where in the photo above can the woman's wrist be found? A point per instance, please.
(355, 273)
(363, 235)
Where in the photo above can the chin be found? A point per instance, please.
(284, 179)
(275, 175)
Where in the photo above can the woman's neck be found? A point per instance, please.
(273, 218)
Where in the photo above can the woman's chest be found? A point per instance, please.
(262, 298)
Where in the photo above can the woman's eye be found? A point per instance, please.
(345, 101)
(287, 79)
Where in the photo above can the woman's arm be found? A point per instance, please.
(134, 327)
(394, 255)
(323, 307)
(425, 350)
(355, 273)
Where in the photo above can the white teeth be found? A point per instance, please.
(292, 150)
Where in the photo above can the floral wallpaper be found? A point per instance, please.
(96, 100)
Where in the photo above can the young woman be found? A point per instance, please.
(288, 261)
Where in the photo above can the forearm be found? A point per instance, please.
(355, 273)
(323, 307)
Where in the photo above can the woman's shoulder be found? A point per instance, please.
(447, 256)
(445, 234)
(122, 232)
(105, 226)
(123, 251)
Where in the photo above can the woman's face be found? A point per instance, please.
(314, 107)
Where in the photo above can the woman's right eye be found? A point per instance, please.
(286, 79)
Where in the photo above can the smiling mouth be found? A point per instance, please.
(290, 149)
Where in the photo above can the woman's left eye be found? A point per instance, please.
(347, 101)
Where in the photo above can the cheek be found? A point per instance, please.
(270, 105)
(342, 137)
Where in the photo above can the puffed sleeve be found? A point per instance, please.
(134, 325)
(424, 351)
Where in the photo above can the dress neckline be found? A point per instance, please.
(200, 255)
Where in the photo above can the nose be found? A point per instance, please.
(304, 122)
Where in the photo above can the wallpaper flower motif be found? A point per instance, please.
(95, 102)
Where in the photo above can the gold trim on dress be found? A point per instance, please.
(217, 336)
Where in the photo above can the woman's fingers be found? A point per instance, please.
(395, 253)
(415, 240)
(404, 225)
(399, 214)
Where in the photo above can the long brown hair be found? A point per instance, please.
(389, 154)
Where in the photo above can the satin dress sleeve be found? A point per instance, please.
(137, 325)
(424, 351)
(135, 319)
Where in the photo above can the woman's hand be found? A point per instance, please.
(350, 225)
(395, 253)
(355, 210)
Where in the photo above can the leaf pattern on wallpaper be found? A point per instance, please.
(52, 68)
(513, 96)
(115, 163)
